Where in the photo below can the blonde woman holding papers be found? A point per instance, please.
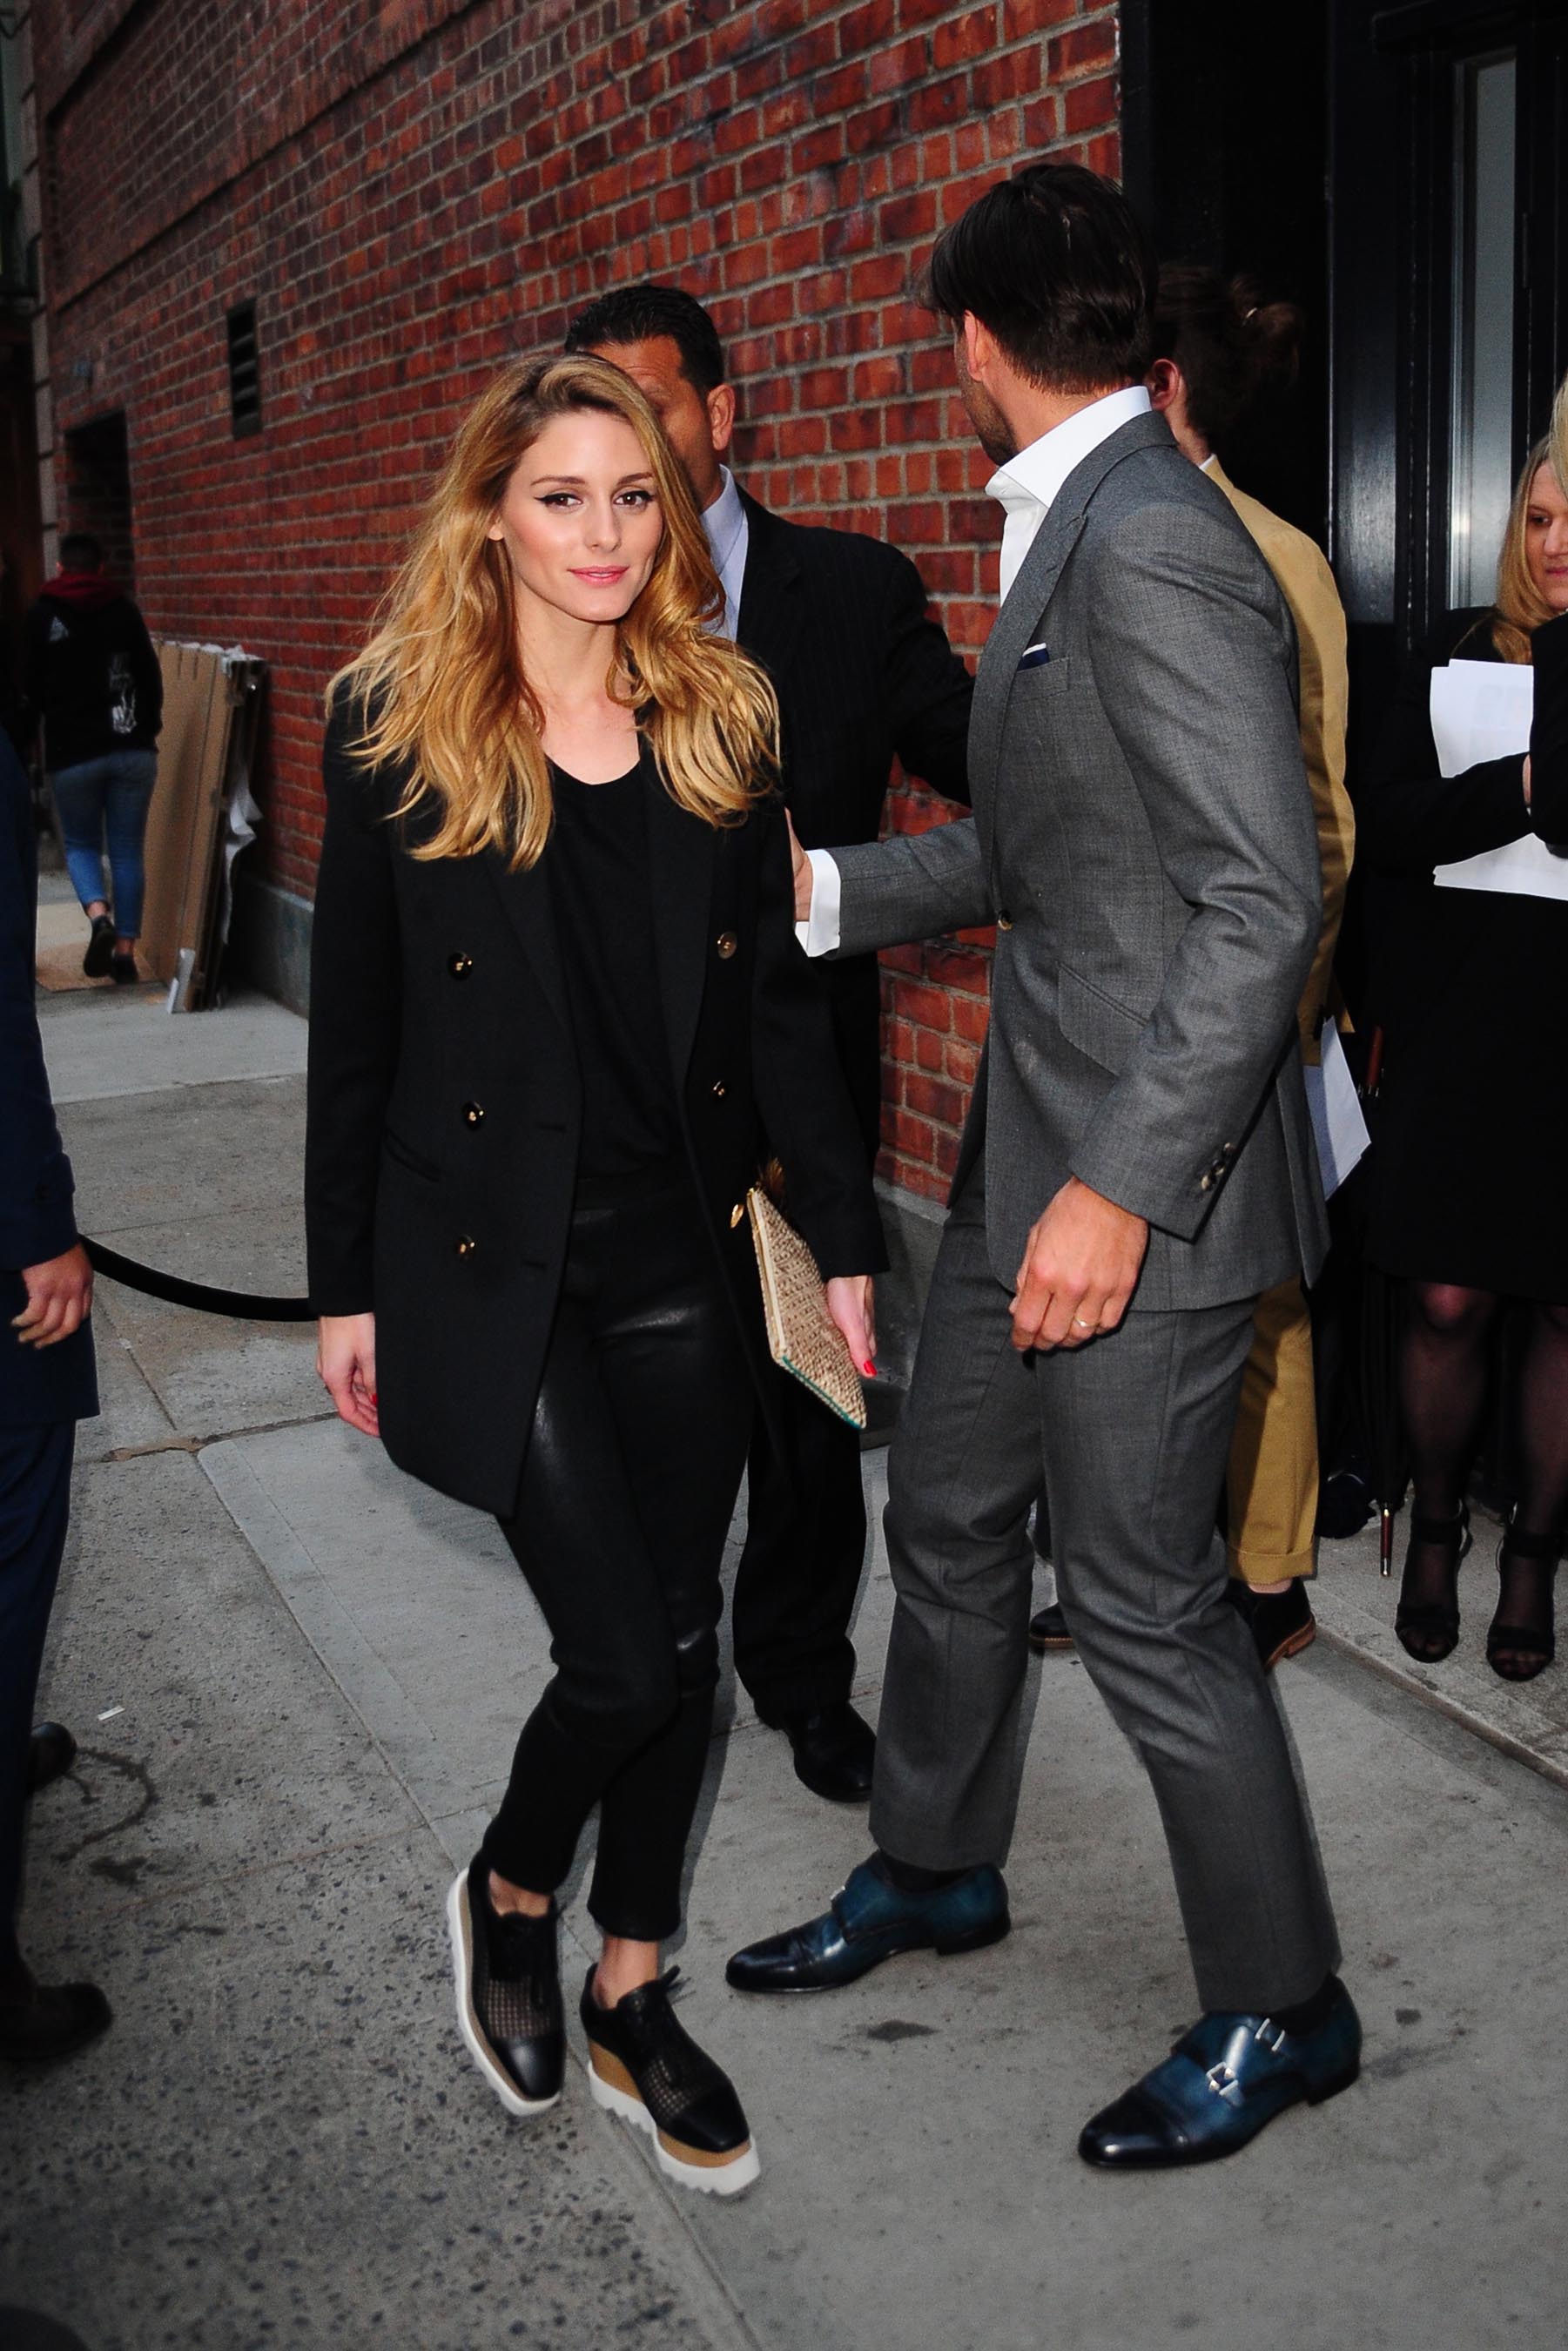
(1465, 805)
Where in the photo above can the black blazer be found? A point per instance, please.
(862, 673)
(36, 1222)
(863, 677)
(445, 1105)
(1408, 819)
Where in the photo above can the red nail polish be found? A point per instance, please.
(869, 1368)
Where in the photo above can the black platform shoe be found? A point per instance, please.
(508, 1994)
(644, 2066)
(1428, 1628)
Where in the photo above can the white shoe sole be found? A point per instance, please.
(460, 1925)
(721, 2178)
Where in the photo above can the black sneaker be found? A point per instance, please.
(508, 1994)
(645, 2067)
(99, 953)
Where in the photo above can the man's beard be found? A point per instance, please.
(992, 430)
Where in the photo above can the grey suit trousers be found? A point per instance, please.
(1129, 1436)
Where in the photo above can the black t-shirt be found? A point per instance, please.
(597, 862)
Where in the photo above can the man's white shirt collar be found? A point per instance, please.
(1025, 488)
(727, 535)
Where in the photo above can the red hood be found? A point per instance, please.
(84, 592)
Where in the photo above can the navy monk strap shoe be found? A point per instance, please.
(871, 1920)
(1220, 2086)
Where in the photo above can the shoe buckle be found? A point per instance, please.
(1267, 2026)
(1224, 2084)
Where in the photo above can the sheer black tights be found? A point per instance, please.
(1443, 1370)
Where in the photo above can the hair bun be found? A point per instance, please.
(1272, 330)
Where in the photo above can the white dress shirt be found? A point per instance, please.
(1025, 488)
(728, 530)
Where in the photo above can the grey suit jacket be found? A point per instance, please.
(1143, 839)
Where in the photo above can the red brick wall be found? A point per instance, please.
(411, 190)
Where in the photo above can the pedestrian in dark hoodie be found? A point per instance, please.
(90, 673)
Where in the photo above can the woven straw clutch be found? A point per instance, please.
(800, 1335)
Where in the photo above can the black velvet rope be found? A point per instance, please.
(241, 1304)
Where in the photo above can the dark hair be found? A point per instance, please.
(79, 551)
(1056, 264)
(1229, 344)
(635, 314)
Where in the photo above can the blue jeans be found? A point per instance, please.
(111, 796)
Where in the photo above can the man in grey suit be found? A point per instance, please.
(1138, 1167)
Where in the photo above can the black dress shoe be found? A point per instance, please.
(1048, 1630)
(508, 1994)
(1281, 1623)
(41, 2022)
(835, 1752)
(51, 1751)
(99, 951)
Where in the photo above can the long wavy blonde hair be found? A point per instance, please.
(1521, 607)
(442, 685)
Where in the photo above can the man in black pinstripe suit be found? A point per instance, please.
(863, 677)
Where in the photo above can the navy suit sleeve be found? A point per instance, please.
(37, 1220)
(928, 689)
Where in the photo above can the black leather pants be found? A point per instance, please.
(639, 1439)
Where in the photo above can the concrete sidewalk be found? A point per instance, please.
(296, 1678)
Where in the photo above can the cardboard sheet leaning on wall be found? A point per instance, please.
(203, 814)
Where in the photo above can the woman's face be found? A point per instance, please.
(1546, 538)
(580, 519)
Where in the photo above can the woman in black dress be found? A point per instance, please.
(556, 997)
(1472, 1141)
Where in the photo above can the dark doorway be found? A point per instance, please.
(1225, 139)
(21, 551)
(98, 491)
(1448, 301)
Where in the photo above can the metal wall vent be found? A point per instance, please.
(244, 371)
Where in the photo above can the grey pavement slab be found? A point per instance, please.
(99, 1046)
(918, 2130)
(280, 2139)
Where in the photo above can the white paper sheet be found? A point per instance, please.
(1337, 1123)
(1481, 710)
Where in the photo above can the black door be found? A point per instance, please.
(1446, 257)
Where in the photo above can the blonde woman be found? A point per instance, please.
(555, 998)
(1473, 1127)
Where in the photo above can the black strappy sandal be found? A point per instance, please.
(1528, 1648)
(1428, 1630)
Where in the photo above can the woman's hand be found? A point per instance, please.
(850, 1306)
(346, 1360)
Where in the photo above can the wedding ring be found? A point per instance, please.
(1082, 1324)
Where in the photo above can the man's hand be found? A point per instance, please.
(804, 875)
(60, 1299)
(1079, 1271)
(346, 1360)
(850, 1305)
